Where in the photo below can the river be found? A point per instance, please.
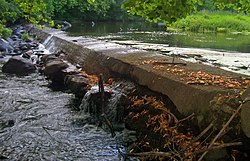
(152, 33)
(230, 51)
(37, 123)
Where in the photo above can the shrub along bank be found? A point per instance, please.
(206, 21)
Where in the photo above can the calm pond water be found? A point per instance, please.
(152, 33)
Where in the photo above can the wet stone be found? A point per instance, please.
(78, 84)
(18, 65)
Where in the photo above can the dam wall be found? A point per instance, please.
(185, 83)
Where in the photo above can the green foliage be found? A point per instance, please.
(5, 32)
(207, 5)
(25, 36)
(241, 6)
(167, 10)
(8, 12)
(214, 22)
(99, 7)
(51, 24)
(32, 10)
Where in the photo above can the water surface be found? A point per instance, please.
(45, 125)
(152, 33)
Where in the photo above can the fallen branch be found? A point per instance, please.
(101, 90)
(109, 124)
(154, 154)
(221, 132)
(199, 136)
(169, 63)
(219, 147)
(186, 118)
(103, 115)
(170, 113)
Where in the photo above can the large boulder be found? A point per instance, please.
(78, 84)
(18, 65)
(53, 70)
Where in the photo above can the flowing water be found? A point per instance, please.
(152, 33)
(230, 51)
(37, 123)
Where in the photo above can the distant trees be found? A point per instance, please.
(36, 11)
(171, 10)
(166, 10)
(242, 6)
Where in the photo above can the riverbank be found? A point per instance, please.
(216, 21)
(206, 91)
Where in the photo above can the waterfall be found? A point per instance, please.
(46, 41)
(115, 103)
(49, 43)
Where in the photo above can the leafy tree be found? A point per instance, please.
(32, 10)
(8, 12)
(242, 6)
(171, 10)
(208, 5)
(98, 6)
(166, 10)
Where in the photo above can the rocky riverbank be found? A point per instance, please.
(162, 131)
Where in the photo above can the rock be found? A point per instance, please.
(15, 38)
(53, 70)
(246, 93)
(29, 40)
(78, 84)
(27, 54)
(24, 46)
(92, 103)
(217, 155)
(245, 119)
(18, 65)
(8, 123)
(52, 67)
(245, 112)
(18, 51)
(47, 58)
(33, 45)
(5, 46)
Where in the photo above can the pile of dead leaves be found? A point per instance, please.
(199, 77)
(165, 127)
(164, 136)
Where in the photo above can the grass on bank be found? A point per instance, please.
(206, 21)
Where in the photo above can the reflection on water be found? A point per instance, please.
(44, 125)
(151, 33)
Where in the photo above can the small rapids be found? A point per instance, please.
(37, 123)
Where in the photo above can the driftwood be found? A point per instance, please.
(186, 118)
(109, 124)
(179, 155)
(169, 63)
(170, 154)
(159, 154)
(102, 92)
(219, 147)
(221, 132)
(198, 137)
(103, 115)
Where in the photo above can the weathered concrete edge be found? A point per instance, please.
(187, 98)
